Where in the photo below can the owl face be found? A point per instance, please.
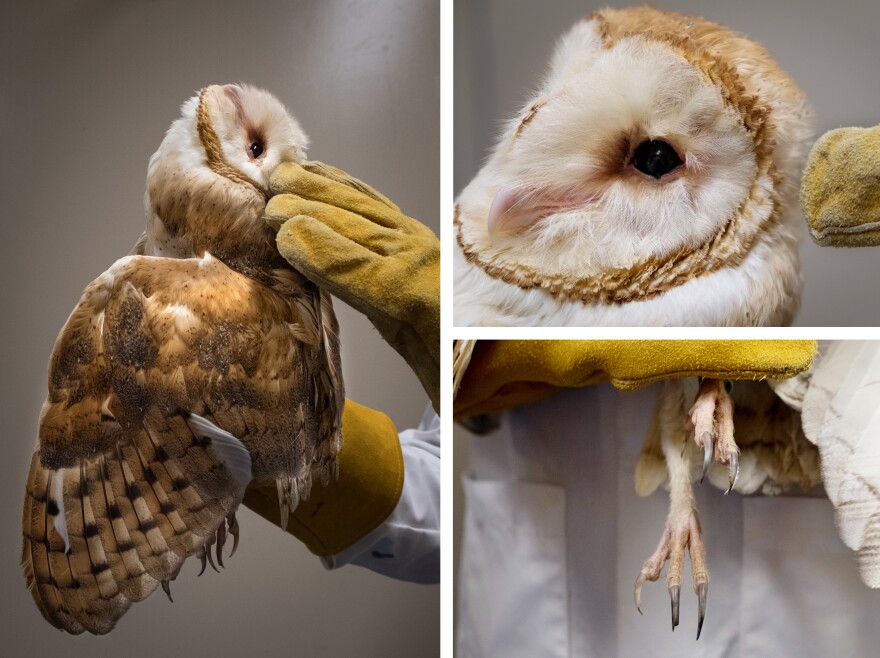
(207, 184)
(245, 127)
(628, 151)
(255, 130)
(657, 151)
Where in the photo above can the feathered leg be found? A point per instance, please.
(682, 531)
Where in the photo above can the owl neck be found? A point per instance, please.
(193, 213)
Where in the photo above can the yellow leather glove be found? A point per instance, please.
(369, 485)
(352, 241)
(840, 192)
(509, 373)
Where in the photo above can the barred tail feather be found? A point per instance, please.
(109, 529)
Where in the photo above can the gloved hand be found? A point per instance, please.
(352, 241)
(840, 191)
(369, 485)
(508, 373)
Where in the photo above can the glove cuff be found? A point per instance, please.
(508, 373)
(367, 490)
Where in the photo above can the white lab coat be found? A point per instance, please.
(406, 546)
(554, 537)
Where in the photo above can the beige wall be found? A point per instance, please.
(830, 49)
(88, 88)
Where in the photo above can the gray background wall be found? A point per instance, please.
(501, 48)
(87, 89)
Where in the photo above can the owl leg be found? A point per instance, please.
(682, 533)
(712, 418)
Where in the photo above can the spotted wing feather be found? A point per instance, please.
(173, 383)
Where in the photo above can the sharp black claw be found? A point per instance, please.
(702, 591)
(233, 530)
(733, 472)
(211, 560)
(707, 453)
(167, 589)
(221, 541)
(675, 597)
(638, 592)
(204, 561)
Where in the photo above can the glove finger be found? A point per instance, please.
(290, 178)
(332, 261)
(336, 174)
(310, 245)
(840, 191)
(354, 228)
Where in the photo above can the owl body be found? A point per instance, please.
(187, 370)
(564, 225)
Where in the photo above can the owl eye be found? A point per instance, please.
(256, 150)
(655, 158)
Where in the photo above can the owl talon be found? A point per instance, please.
(221, 542)
(702, 593)
(708, 451)
(638, 591)
(167, 589)
(233, 530)
(675, 599)
(733, 472)
(204, 560)
(211, 560)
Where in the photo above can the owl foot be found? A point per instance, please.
(202, 554)
(712, 418)
(205, 554)
(232, 524)
(682, 532)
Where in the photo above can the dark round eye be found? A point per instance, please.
(655, 158)
(256, 149)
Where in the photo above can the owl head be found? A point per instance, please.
(207, 184)
(661, 152)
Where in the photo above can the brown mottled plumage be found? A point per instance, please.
(186, 370)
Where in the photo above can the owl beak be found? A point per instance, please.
(516, 208)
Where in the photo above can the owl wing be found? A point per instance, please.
(171, 386)
(841, 415)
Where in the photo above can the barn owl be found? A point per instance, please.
(184, 372)
(651, 180)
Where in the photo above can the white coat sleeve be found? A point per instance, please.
(406, 546)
